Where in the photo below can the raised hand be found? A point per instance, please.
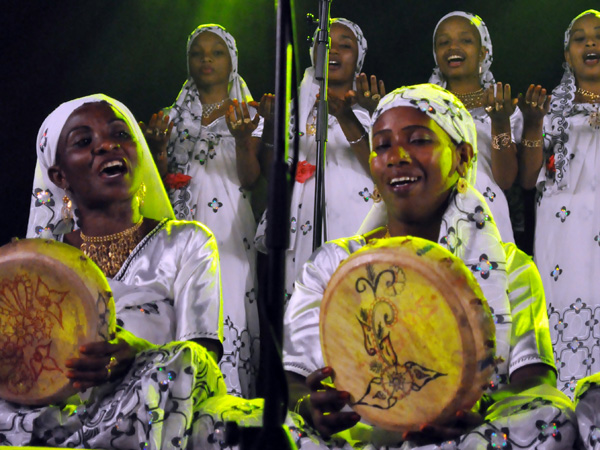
(157, 134)
(239, 122)
(98, 363)
(368, 95)
(499, 106)
(266, 109)
(324, 404)
(535, 104)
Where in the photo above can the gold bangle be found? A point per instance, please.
(501, 140)
(531, 143)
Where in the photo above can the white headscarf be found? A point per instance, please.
(45, 218)
(441, 106)
(486, 77)
(186, 112)
(309, 88)
(561, 105)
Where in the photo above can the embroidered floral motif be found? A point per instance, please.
(548, 430)
(498, 439)
(575, 345)
(560, 326)
(563, 214)
(556, 273)
(484, 267)
(46, 231)
(451, 240)
(43, 197)
(365, 194)
(306, 228)
(304, 171)
(424, 105)
(215, 204)
(479, 217)
(491, 195)
(578, 305)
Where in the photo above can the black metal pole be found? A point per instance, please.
(321, 72)
(273, 434)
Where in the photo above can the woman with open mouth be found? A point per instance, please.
(462, 49)
(565, 172)
(422, 143)
(347, 184)
(209, 167)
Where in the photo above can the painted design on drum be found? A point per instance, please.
(29, 310)
(392, 380)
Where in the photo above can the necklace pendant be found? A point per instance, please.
(311, 129)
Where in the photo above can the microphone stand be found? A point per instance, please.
(321, 75)
(274, 435)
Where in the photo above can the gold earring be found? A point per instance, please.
(461, 185)
(66, 210)
(141, 194)
(376, 196)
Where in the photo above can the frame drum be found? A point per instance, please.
(53, 299)
(408, 332)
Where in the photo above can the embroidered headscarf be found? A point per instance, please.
(309, 88)
(468, 229)
(45, 219)
(486, 77)
(561, 108)
(186, 112)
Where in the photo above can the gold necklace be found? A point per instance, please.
(111, 251)
(590, 96)
(470, 99)
(387, 233)
(209, 108)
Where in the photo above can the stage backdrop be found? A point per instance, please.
(134, 50)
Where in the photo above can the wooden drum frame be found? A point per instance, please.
(53, 299)
(408, 332)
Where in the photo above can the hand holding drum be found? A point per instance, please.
(57, 314)
(406, 329)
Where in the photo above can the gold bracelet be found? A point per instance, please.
(501, 140)
(531, 143)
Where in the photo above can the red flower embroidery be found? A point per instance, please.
(550, 165)
(304, 171)
(176, 180)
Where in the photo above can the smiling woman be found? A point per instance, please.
(423, 142)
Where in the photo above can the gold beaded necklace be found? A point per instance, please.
(470, 99)
(110, 252)
(590, 96)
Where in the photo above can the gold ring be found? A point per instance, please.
(527, 102)
(534, 104)
(489, 109)
(246, 120)
(165, 132)
(156, 132)
(111, 364)
(376, 97)
(499, 106)
(367, 94)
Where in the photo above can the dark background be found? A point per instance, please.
(134, 50)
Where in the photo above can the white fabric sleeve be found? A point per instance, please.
(530, 336)
(197, 287)
(302, 342)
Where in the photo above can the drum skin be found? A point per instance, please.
(53, 299)
(407, 330)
